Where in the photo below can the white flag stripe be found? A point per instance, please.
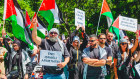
(109, 21)
(19, 18)
(55, 14)
(4, 14)
(41, 28)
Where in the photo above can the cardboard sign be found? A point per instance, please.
(137, 67)
(128, 24)
(79, 17)
(50, 58)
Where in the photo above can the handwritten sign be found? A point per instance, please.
(50, 58)
(137, 67)
(128, 24)
(79, 17)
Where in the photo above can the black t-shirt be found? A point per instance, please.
(53, 46)
(114, 48)
(94, 54)
(108, 51)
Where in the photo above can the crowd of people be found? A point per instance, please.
(83, 56)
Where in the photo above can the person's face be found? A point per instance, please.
(1, 39)
(93, 41)
(109, 37)
(81, 42)
(123, 45)
(15, 46)
(75, 43)
(53, 34)
(65, 41)
(132, 41)
(102, 39)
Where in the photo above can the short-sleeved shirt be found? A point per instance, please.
(114, 48)
(94, 54)
(53, 46)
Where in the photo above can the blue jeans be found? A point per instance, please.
(54, 76)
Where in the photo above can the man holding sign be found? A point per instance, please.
(53, 50)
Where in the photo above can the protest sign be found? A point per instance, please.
(137, 67)
(139, 29)
(50, 58)
(128, 24)
(79, 17)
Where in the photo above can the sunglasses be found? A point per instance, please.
(53, 33)
(102, 38)
(123, 43)
(91, 40)
(15, 45)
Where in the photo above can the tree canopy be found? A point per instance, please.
(92, 8)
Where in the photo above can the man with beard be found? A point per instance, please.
(102, 40)
(52, 44)
(114, 48)
(94, 58)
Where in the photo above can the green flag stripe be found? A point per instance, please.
(109, 14)
(48, 15)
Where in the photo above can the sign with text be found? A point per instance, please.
(50, 58)
(137, 67)
(79, 17)
(139, 29)
(128, 24)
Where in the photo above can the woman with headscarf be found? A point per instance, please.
(17, 59)
(122, 59)
(75, 49)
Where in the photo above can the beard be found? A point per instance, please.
(102, 42)
(93, 45)
(108, 40)
(53, 39)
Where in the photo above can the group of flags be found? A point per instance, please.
(112, 25)
(22, 26)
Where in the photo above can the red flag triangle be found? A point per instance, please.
(116, 23)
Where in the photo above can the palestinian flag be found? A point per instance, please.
(27, 22)
(41, 28)
(122, 33)
(13, 12)
(49, 10)
(107, 12)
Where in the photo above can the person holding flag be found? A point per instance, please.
(51, 44)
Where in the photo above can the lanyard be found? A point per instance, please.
(77, 58)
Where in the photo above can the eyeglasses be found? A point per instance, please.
(53, 33)
(15, 45)
(102, 38)
(123, 43)
(91, 40)
(76, 42)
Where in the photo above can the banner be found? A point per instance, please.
(50, 58)
(79, 17)
(128, 24)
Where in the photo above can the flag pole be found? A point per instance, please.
(99, 19)
(39, 8)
